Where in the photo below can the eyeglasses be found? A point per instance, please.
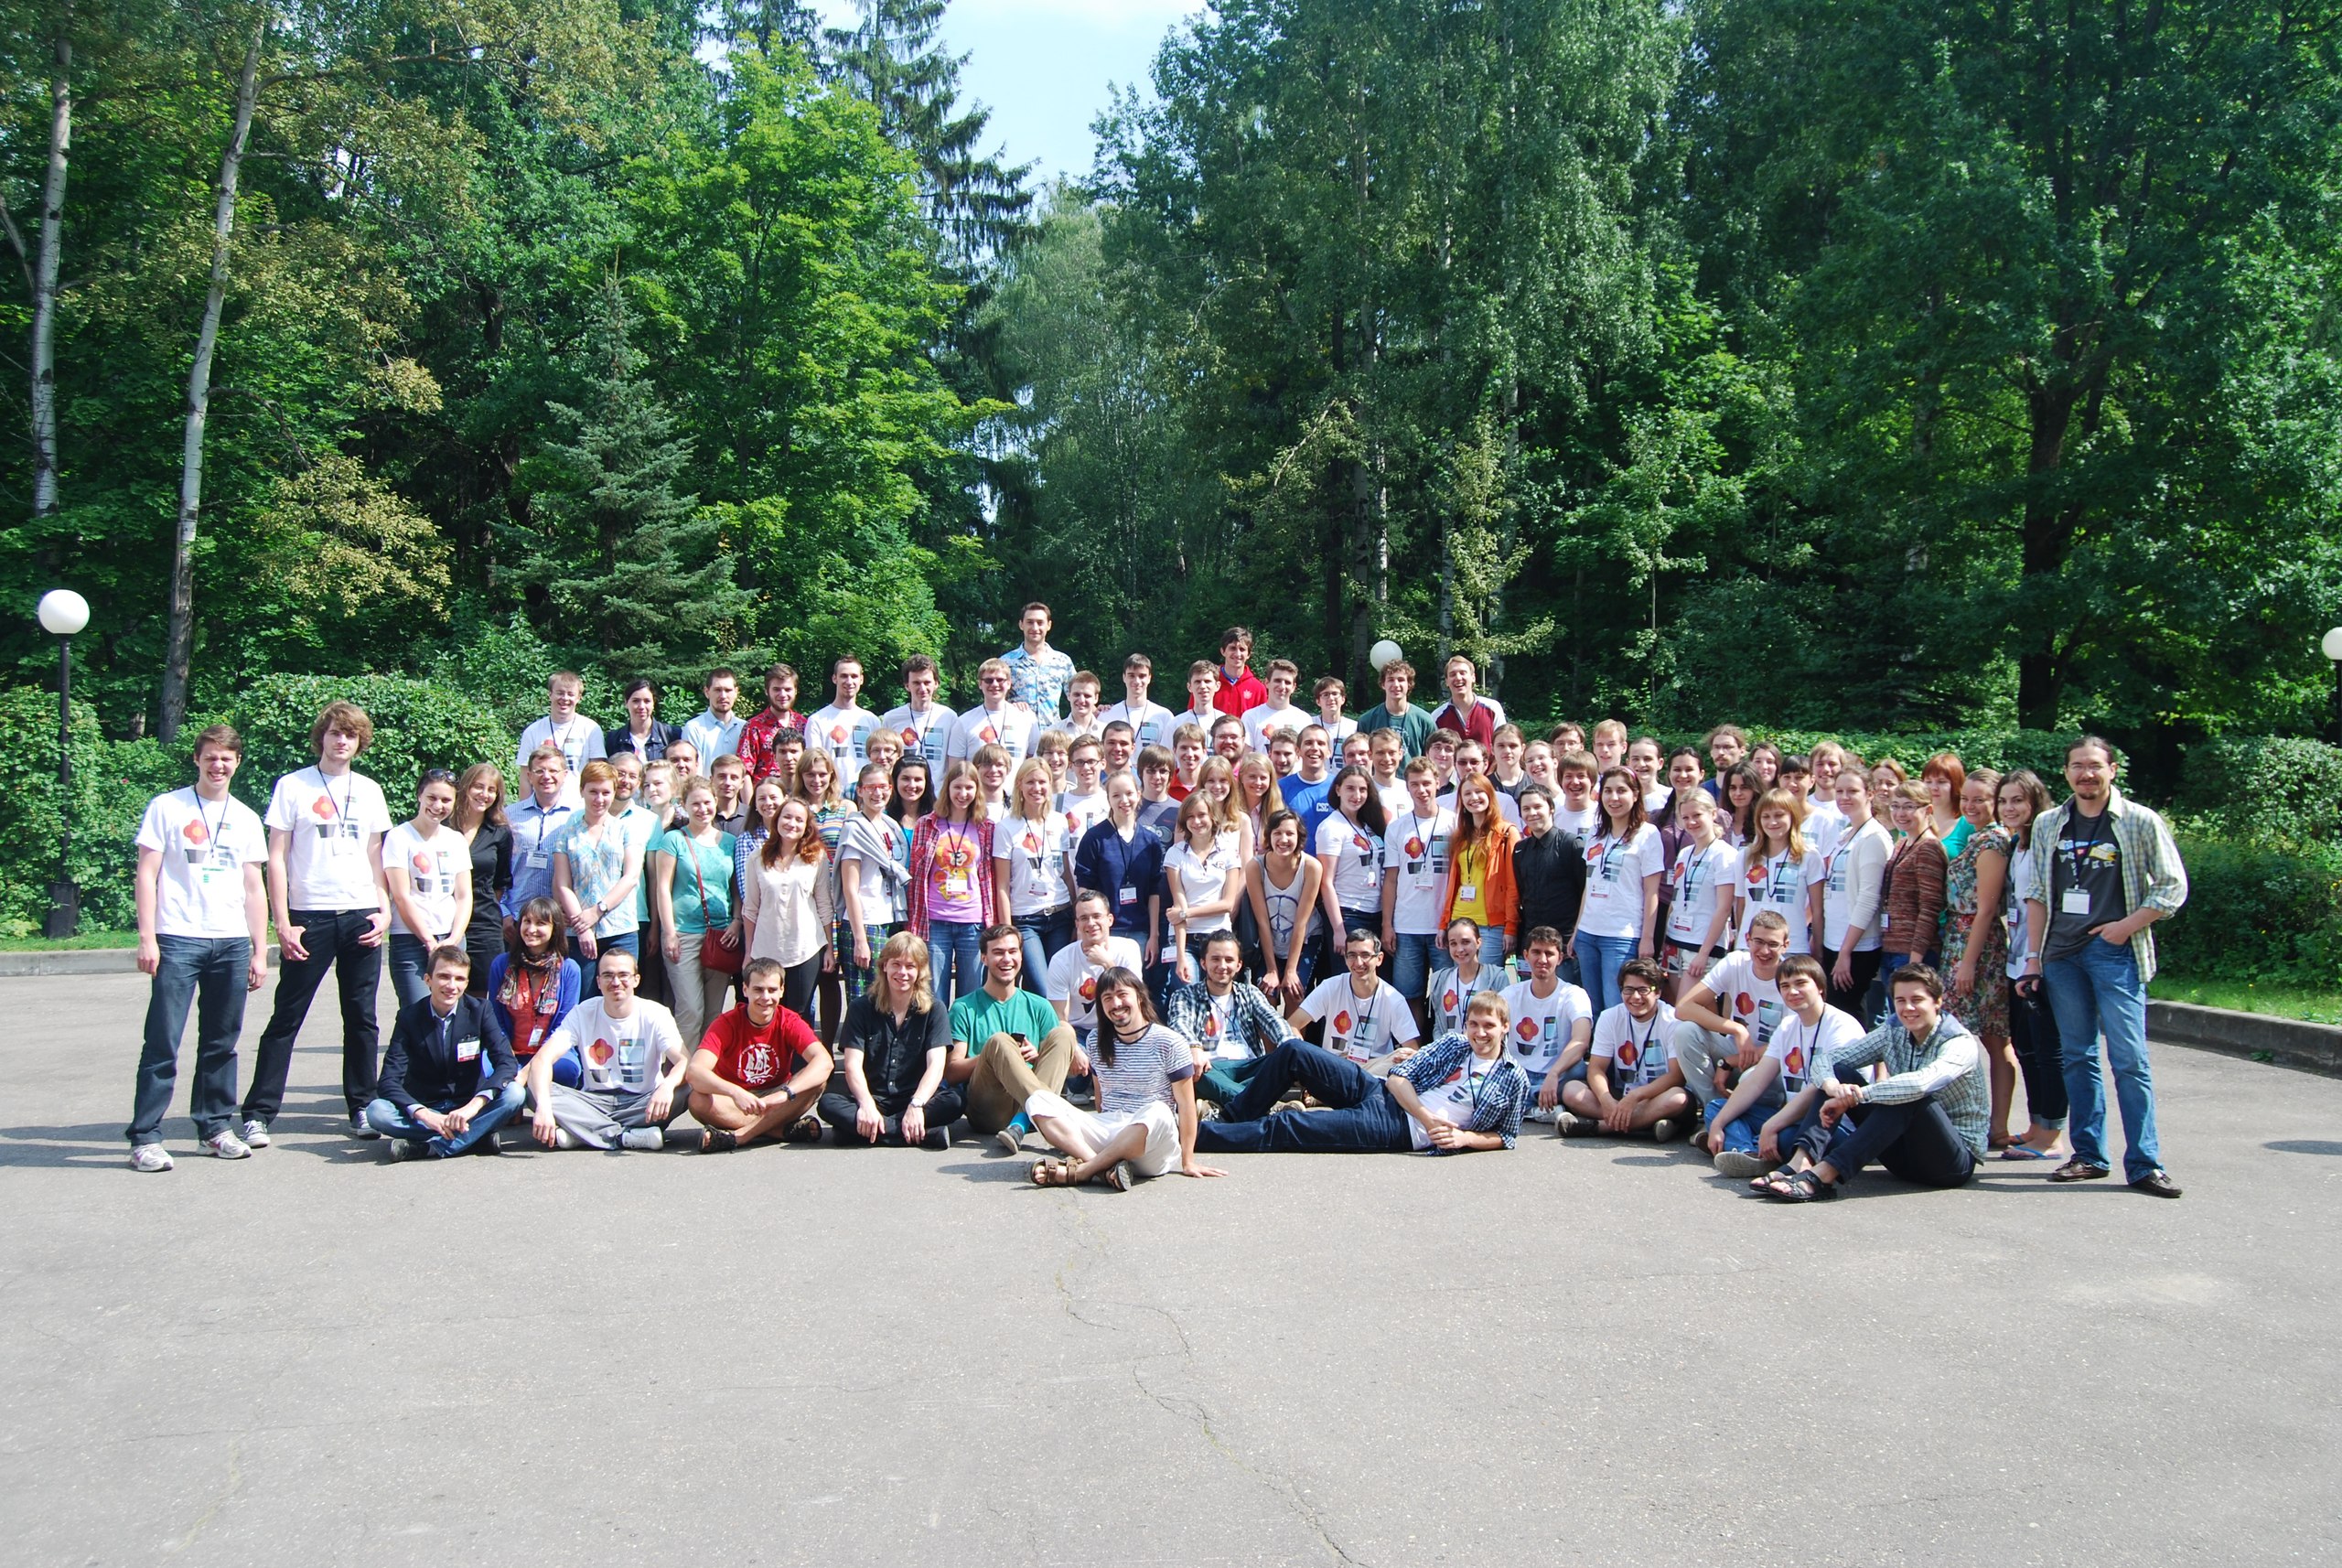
(439, 776)
(1634, 990)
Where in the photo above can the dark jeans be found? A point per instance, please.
(839, 1109)
(625, 942)
(1914, 1140)
(2034, 1035)
(408, 954)
(1361, 1117)
(1850, 999)
(1044, 934)
(209, 971)
(798, 983)
(331, 937)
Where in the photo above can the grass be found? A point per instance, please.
(2310, 1004)
(84, 942)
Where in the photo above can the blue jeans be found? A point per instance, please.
(1044, 934)
(629, 942)
(953, 954)
(1745, 1131)
(1599, 961)
(1360, 1116)
(1410, 961)
(409, 979)
(392, 1122)
(2097, 991)
(333, 940)
(213, 969)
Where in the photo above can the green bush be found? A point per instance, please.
(2256, 912)
(112, 781)
(504, 668)
(2267, 790)
(417, 725)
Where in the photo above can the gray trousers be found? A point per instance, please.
(597, 1117)
(1700, 1052)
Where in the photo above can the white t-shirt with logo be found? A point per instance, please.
(1072, 979)
(1701, 879)
(1357, 863)
(844, 734)
(1012, 729)
(1037, 852)
(1823, 825)
(1417, 848)
(1081, 813)
(1453, 1098)
(618, 1054)
(1361, 1028)
(866, 845)
(1201, 877)
(926, 734)
(1150, 723)
(1780, 882)
(1222, 1036)
(1744, 998)
(1261, 720)
(1614, 869)
(1394, 797)
(1797, 1047)
(430, 865)
(1636, 1052)
(325, 864)
(1580, 824)
(203, 848)
(1451, 997)
(1540, 1026)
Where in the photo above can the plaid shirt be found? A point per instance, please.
(757, 737)
(2152, 878)
(1499, 1105)
(1256, 1023)
(1950, 1067)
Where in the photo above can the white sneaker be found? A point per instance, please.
(1539, 1113)
(562, 1138)
(228, 1146)
(255, 1132)
(648, 1139)
(149, 1157)
(404, 1149)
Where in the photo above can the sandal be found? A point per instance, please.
(1773, 1182)
(2027, 1151)
(804, 1130)
(2079, 1170)
(1804, 1187)
(1117, 1175)
(1052, 1172)
(716, 1141)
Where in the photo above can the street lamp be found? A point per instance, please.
(64, 612)
(2331, 645)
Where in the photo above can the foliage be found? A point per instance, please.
(2279, 791)
(417, 726)
(112, 781)
(2256, 912)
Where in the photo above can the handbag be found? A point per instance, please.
(712, 953)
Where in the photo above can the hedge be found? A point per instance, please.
(112, 781)
(2256, 912)
(2267, 790)
(417, 725)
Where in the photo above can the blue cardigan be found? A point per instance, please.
(1108, 864)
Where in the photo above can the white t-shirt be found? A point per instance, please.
(1037, 853)
(1201, 877)
(1358, 863)
(1336, 730)
(2019, 878)
(1780, 883)
(618, 1054)
(430, 865)
(1821, 826)
(1581, 824)
(325, 867)
(844, 734)
(1149, 721)
(1222, 1036)
(1453, 1099)
(579, 740)
(1360, 1029)
(1636, 1052)
(1541, 1027)
(1072, 979)
(926, 734)
(1450, 997)
(1614, 869)
(1082, 812)
(1744, 998)
(1798, 1048)
(1395, 797)
(1701, 879)
(1417, 848)
(1506, 807)
(1012, 729)
(1655, 798)
(204, 848)
(1260, 721)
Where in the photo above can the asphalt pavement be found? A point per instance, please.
(1583, 1353)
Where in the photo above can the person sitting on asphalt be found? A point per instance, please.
(758, 1069)
(447, 1079)
(1633, 1083)
(1759, 1124)
(1071, 981)
(620, 1100)
(1145, 1120)
(1456, 1094)
(1007, 1044)
(1229, 1023)
(1926, 1121)
(1727, 1016)
(1552, 1023)
(1366, 1019)
(895, 1041)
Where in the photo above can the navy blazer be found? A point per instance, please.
(418, 1070)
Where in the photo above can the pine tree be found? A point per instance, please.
(624, 563)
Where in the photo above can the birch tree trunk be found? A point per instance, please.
(180, 652)
(44, 273)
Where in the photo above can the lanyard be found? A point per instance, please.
(348, 794)
(211, 829)
(1776, 879)
(2082, 854)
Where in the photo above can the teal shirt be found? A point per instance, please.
(1957, 840)
(714, 876)
(976, 1017)
(1414, 725)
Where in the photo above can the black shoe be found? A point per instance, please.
(2156, 1183)
(2079, 1170)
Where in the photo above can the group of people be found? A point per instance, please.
(1144, 935)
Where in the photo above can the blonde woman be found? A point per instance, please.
(896, 1040)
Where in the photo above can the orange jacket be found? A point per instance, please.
(1501, 895)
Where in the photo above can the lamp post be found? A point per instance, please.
(2331, 645)
(64, 612)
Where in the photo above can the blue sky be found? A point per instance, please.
(1043, 67)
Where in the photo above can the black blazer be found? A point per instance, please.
(417, 1067)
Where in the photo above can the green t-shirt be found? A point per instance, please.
(976, 1017)
(1414, 725)
(714, 876)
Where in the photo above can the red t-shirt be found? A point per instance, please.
(757, 1059)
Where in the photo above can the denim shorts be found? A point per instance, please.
(1411, 963)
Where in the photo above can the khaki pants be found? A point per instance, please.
(1004, 1080)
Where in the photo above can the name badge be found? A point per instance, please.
(2075, 902)
(538, 859)
(1129, 895)
(467, 1050)
(955, 882)
(1469, 892)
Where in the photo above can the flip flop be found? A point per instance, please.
(2027, 1151)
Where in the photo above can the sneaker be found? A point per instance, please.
(403, 1149)
(1539, 1113)
(1011, 1138)
(255, 1132)
(1570, 1124)
(650, 1139)
(1741, 1165)
(150, 1157)
(361, 1128)
(1666, 1130)
(564, 1139)
(228, 1146)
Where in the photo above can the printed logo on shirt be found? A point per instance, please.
(1743, 1004)
(755, 1064)
(1628, 1053)
(1211, 1026)
(1793, 1063)
(1088, 989)
(600, 1052)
